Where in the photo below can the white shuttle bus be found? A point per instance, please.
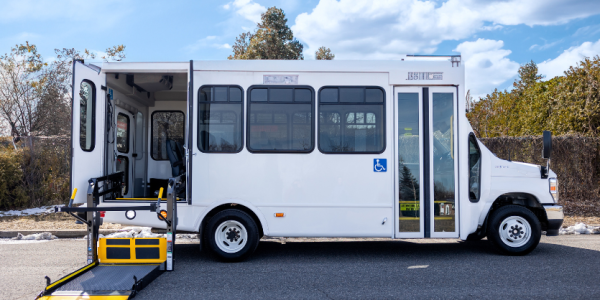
(304, 149)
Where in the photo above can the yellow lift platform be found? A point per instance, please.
(117, 268)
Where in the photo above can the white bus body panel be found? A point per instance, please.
(324, 195)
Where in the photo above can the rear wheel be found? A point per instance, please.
(514, 230)
(231, 235)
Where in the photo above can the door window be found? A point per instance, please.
(443, 162)
(409, 165)
(87, 120)
(122, 133)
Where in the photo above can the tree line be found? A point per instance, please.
(568, 104)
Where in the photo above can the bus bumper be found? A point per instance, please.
(555, 219)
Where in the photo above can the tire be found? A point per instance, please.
(514, 230)
(231, 235)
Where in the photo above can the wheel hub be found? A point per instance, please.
(515, 231)
(231, 236)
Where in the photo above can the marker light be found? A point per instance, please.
(279, 215)
(130, 214)
(163, 213)
(102, 214)
(554, 188)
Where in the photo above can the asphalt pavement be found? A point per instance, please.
(560, 267)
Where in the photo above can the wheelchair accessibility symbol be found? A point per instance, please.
(379, 165)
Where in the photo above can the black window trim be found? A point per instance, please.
(312, 110)
(472, 136)
(152, 131)
(354, 103)
(93, 146)
(242, 120)
(127, 140)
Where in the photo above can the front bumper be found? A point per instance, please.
(555, 219)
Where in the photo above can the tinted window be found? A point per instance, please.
(166, 125)
(281, 122)
(87, 120)
(123, 133)
(351, 125)
(474, 169)
(220, 119)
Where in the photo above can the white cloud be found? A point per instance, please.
(210, 41)
(570, 57)
(248, 9)
(385, 29)
(486, 65)
(545, 46)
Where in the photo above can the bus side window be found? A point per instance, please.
(280, 119)
(474, 169)
(351, 120)
(220, 119)
(87, 116)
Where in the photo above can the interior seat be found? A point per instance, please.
(175, 157)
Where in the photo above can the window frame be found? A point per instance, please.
(152, 131)
(292, 87)
(365, 87)
(128, 136)
(474, 138)
(242, 119)
(93, 122)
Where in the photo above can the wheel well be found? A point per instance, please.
(523, 199)
(225, 206)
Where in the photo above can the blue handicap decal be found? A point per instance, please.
(380, 165)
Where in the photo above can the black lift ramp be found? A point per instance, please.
(117, 268)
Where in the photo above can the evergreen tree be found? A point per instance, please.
(273, 39)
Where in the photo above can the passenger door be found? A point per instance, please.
(87, 126)
(124, 148)
(426, 152)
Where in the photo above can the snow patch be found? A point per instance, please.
(143, 232)
(580, 228)
(30, 211)
(35, 236)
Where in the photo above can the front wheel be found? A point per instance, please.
(231, 235)
(514, 230)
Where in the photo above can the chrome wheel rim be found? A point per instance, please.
(231, 236)
(515, 231)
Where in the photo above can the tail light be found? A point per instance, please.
(102, 214)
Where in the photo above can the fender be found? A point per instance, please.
(247, 204)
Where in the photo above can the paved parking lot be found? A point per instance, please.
(561, 267)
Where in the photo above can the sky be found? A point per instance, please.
(493, 37)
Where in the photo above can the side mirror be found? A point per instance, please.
(547, 148)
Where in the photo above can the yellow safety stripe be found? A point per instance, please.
(435, 218)
(142, 199)
(417, 201)
(72, 275)
(85, 297)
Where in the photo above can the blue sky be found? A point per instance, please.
(494, 37)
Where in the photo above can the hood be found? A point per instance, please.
(505, 168)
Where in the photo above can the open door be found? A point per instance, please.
(87, 126)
